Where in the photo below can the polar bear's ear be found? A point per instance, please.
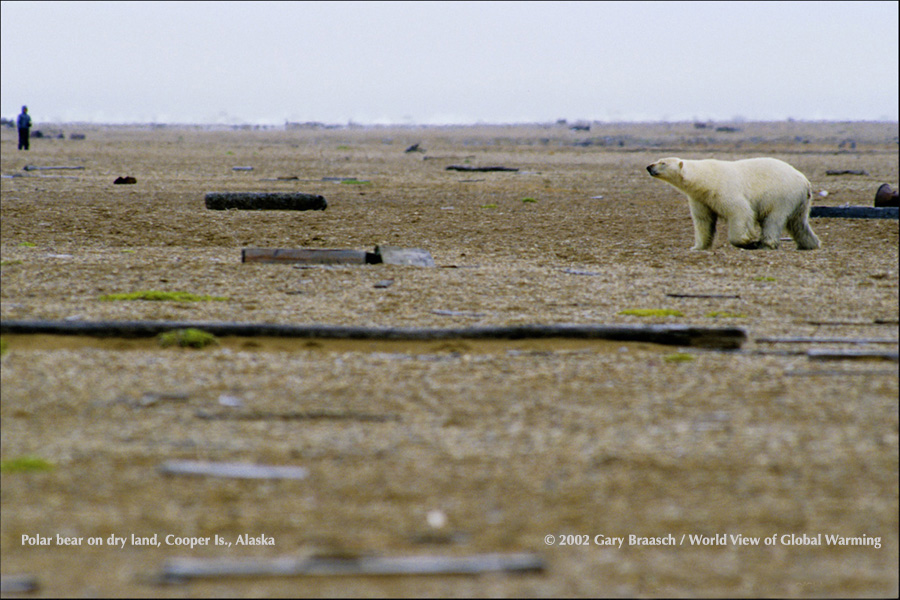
(680, 164)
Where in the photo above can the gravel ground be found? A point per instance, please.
(454, 447)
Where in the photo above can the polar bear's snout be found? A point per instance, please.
(652, 169)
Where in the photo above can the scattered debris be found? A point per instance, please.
(76, 136)
(578, 272)
(230, 401)
(152, 398)
(887, 196)
(846, 172)
(125, 180)
(384, 283)
(414, 148)
(241, 168)
(232, 470)
(479, 169)
(393, 255)
(264, 201)
(179, 570)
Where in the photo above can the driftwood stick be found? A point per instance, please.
(182, 569)
(811, 340)
(854, 323)
(232, 470)
(732, 296)
(478, 169)
(823, 354)
(724, 338)
(34, 168)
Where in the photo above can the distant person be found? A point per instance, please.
(24, 124)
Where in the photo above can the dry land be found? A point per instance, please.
(454, 447)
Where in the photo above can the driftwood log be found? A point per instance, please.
(854, 212)
(177, 570)
(722, 338)
(264, 201)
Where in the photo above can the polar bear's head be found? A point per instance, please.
(668, 169)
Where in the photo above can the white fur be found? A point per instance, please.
(759, 197)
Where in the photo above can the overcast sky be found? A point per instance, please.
(448, 62)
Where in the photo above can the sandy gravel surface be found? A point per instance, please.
(508, 441)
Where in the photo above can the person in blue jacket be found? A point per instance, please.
(24, 124)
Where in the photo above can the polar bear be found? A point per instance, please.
(759, 197)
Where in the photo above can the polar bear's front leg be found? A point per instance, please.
(704, 225)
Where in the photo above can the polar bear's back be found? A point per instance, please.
(759, 180)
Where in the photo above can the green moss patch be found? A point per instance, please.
(722, 314)
(4, 347)
(187, 338)
(157, 296)
(25, 464)
(679, 357)
(652, 312)
(528, 200)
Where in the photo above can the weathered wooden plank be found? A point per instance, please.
(854, 212)
(724, 338)
(264, 201)
(393, 255)
(308, 256)
(177, 570)
(232, 470)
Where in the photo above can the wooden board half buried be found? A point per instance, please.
(309, 256)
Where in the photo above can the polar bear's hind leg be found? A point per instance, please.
(798, 227)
